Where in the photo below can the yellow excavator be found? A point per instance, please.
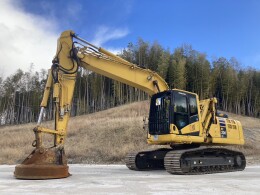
(177, 118)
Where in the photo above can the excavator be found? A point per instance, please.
(192, 129)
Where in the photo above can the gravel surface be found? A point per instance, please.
(117, 179)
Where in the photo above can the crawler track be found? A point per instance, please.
(187, 161)
(204, 161)
(146, 160)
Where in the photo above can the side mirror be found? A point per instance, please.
(145, 125)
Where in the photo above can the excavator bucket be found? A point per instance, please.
(43, 163)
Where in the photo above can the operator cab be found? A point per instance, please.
(172, 107)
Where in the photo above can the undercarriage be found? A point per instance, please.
(191, 161)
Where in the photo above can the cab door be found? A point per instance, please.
(181, 116)
(186, 113)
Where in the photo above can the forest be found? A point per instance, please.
(236, 87)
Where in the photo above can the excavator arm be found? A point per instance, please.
(72, 52)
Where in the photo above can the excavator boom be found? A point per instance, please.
(105, 63)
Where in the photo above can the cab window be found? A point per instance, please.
(193, 106)
(180, 110)
(193, 109)
(180, 104)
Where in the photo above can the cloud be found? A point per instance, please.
(73, 9)
(105, 34)
(25, 38)
(114, 50)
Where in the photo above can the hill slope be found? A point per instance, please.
(106, 136)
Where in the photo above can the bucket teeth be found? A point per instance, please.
(43, 163)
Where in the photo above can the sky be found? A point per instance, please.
(29, 29)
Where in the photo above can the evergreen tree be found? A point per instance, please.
(237, 89)
(179, 69)
(163, 63)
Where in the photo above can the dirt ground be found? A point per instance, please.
(106, 137)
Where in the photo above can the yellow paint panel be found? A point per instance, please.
(191, 128)
(173, 138)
